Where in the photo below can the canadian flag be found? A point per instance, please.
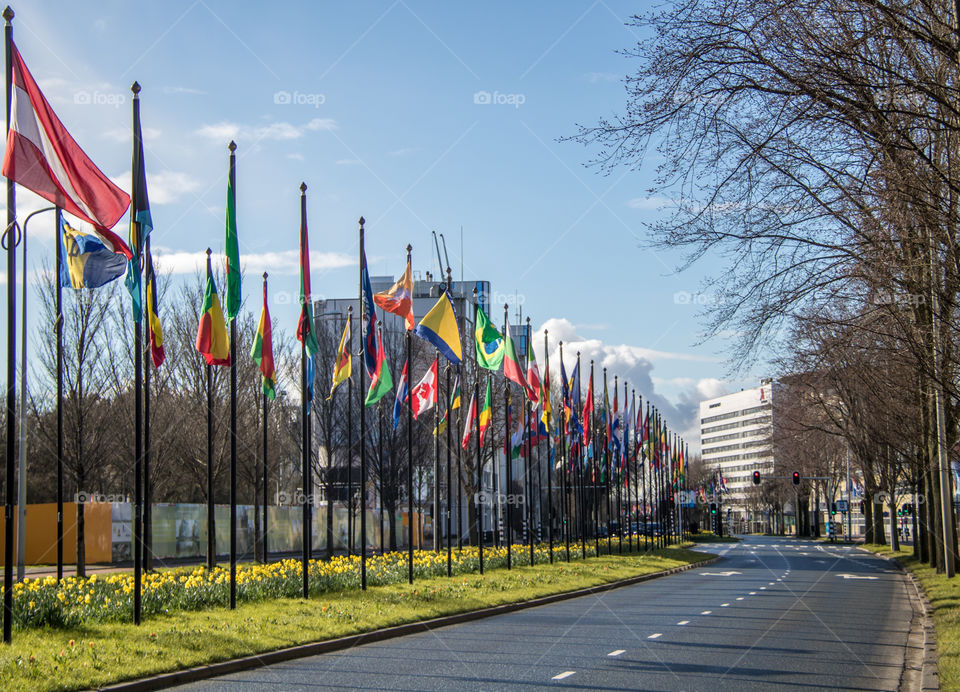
(424, 396)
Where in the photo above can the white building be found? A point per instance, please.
(735, 437)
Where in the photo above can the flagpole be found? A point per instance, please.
(305, 421)
(606, 461)
(147, 523)
(508, 453)
(632, 502)
(550, 464)
(9, 238)
(449, 481)
(349, 502)
(211, 510)
(265, 547)
(436, 460)
(409, 450)
(580, 460)
(459, 451)
(562, 433)
(526, 423)
(595, 514)
(476, 422)
(138, 399)
(59, 329)
(364, 317)
(626, 468)
(380, 458)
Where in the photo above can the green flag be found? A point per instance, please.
(232, 250)
(489, 342)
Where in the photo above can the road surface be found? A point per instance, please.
(770, 614)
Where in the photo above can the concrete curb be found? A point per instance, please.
(180, 677)
(920, 661)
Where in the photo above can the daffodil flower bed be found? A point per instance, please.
(72, 602)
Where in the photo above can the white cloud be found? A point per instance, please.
(280, 131)
(285, 262)
(295, 157)
(165, 187)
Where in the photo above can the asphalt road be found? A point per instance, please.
(771, 614)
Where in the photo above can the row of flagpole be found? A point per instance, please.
(102, 207)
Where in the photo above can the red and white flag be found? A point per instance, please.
(43, 157)
(424, 395)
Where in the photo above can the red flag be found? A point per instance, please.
(588, 410)
(470, 422)
(425, 393)
(43, 157)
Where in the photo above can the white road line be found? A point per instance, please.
(654, 636)
(752, 593)
(724, 605)
(739, 598)
(684, 622)
(706, 612)
(564, 675)
(763, 588)
(617, 652)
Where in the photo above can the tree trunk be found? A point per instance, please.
(894, 527)
(869, 535)
(81, 550)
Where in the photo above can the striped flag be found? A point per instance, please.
(262, 352)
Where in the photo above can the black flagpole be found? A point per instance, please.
(606, 463)
(409, 451)
(350, 433)
(364, 317)
(507, 450)
(59, 328)
(383, 474)
(476, 422)
(211, 512)
(626, 468)
(529, 483)
(138, 403)
(449, 481)
(10, 238)
(594, 497)
(265, 547)
(147, 523)
(581, 510)
(305, 427)
(617, 483)
(564, 486)
(550, 464)
(436, 461)
(459, 451)
(233, 418)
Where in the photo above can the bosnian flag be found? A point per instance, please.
(43, 157)
(425, 393)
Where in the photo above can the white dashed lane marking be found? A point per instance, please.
(684, 622)
(617, 652)
(655, 636)
(564, 675)
(706, 612)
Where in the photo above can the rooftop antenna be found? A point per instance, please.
(439, 258)
(445, 256)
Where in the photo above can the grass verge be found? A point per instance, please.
(710, 537)
(944, 595)
(100, 654)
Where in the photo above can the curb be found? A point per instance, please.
(920, 661)
(179, 677)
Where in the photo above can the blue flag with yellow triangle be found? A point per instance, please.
(86, 261)
(440, 328)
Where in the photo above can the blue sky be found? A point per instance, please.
(418, 116)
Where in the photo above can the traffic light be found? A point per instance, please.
(756, 478)
(796, 478)
(863, 506)
(670, 500)
(908, 509)
(833, 508)
(713, 508)
(900, 511)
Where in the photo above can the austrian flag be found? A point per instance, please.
(42, 156)
(425, 393)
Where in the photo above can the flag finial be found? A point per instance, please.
(361, 221)
(303, 188)
(135, 88)
(232, 146)
(264, 276)
(8, 13)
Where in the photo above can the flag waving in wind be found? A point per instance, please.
(402, 391)
(262, 352)
(440, 328)
(371, 347)
(343, 368)
(305, 327)
(85, 261)
(489, 342)
(42, 156)
(511, 364)
(212, 340)
(141, 223)
(424, 395)
(398, 300)
(533, 375)
(382, 381)
(153, 317)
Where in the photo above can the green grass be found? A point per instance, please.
(710, 537)
(100, 654)
(944, 595)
